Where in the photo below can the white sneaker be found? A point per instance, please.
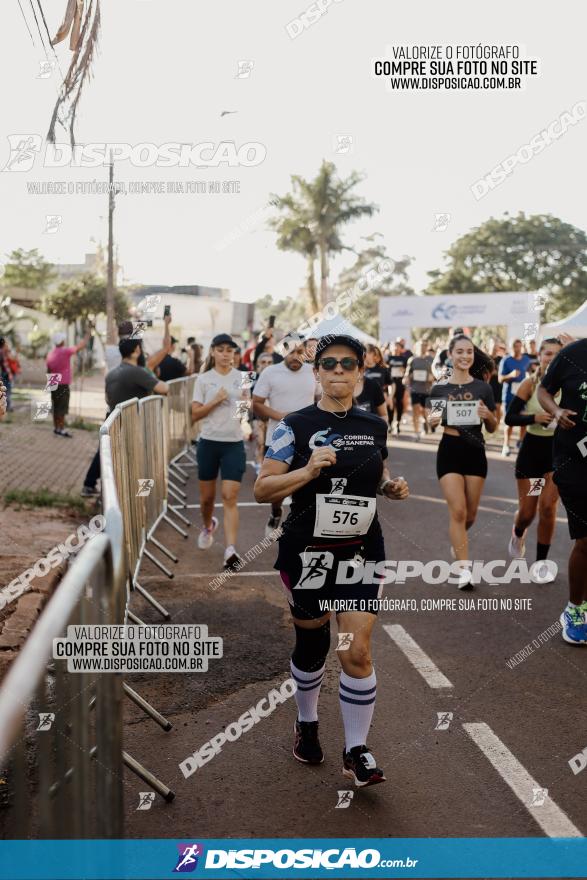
(506, 451)
(541, 572)
(465, 581)
(232, 560)
(205, 538)
(517, 546)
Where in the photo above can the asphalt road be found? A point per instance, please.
(512, 729)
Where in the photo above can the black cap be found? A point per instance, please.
(340, 339)
(223, 339)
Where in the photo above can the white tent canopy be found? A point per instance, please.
(575, 324)
(340, 326)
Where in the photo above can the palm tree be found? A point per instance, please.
(294, 234)
(314, 214)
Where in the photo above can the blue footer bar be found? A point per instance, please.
(292, 858)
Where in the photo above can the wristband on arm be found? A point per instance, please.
(515, 416)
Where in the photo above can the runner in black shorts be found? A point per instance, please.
(219, 393)
(536, 489)
(397, 370)
(568, 374)
(330, 458)
(419, 379)
(461, 465)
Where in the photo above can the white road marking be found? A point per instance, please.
(238, 504)
(553, 821)
(417, 657)
(481, 506)
(240, 574)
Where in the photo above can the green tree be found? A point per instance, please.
(312, 217)
(365, 312)
(83, 299)
(290, 312)
(7, 319)
(294, 234)
(27, 269)
(535, 252)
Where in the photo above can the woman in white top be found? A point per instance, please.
(219, 403)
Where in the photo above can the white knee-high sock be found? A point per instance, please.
(357, 703)
(307, 692)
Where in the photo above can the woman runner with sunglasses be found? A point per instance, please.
(330, 458)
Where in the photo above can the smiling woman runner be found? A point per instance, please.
(462, 404)
(330, 458)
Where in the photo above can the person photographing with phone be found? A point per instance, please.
(330, 457)
(266, 344)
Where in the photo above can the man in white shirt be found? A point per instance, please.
(282, 389)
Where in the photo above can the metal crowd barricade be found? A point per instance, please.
(126, 440)
(153, 412)
(76, 797)
(146, 438)
(176, 422)
(180, 438)
(123, 427)
(55, 737)
(115, 481)
(71, 723)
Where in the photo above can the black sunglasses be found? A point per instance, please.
(330, 363)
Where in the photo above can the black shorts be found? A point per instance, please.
(225, 456)
(459, 456)
(570, 480)
(60, 401)
(309, 576)
(535, 456)
(418, 397)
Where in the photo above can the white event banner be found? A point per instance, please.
(401, 313)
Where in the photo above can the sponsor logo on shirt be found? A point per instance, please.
(342, 442)
(323, 438)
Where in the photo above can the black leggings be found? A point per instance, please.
(398, 400)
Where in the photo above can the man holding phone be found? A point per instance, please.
(266, 344)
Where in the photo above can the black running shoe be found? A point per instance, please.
(360, 766)
(307, 748)
(233, 562)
